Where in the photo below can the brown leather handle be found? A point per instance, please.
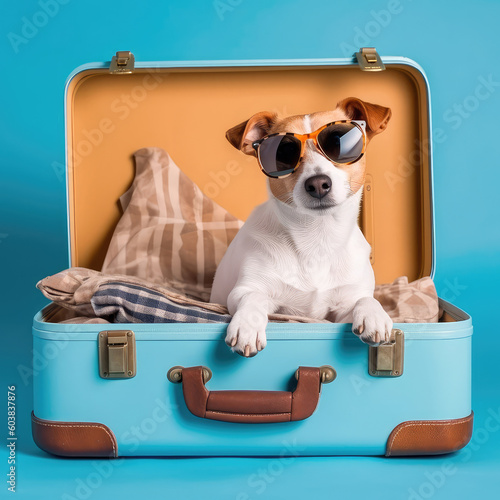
(253, 406)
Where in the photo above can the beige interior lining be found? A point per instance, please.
(187, 111)
(446, 317)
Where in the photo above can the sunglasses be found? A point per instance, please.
(342, 142)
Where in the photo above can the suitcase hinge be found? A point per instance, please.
(117, 357)
(122, 63)
(369, 60)
(386, 360)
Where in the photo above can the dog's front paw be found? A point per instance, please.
(246, 334)
(370, 322)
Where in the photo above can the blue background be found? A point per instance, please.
(455, 42)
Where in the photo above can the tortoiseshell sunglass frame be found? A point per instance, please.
(303, 138)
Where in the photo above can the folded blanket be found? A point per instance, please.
(415, 302)
(119, 299)
(170, 231)
(125, 299)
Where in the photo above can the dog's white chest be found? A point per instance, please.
(310, 283)
(306, 269)
(313, 274)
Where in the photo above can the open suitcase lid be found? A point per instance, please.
(114, 109)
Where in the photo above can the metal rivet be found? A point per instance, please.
(207, 374)
(129, 334)
(327, 374)
(175, 374)
(129, 373)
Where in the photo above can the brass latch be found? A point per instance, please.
(117, 358)
(369, 60)
(122, 63)
(386, 360)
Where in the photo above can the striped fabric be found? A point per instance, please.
(170, 232)
(124, 303)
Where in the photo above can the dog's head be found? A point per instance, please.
(317, 185)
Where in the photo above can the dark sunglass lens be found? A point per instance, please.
(279, 154)
(341, 142)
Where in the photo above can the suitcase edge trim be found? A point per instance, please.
(429, 437)
(74, 439)
(410, 438)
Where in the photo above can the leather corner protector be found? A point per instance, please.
(429, 437)
(74, 439)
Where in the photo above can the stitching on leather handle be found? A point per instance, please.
(420, 423)
(65, 426)
(248, 414)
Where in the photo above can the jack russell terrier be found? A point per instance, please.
(302, 252)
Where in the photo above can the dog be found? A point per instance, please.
(302, 251)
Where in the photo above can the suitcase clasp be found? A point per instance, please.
(369, 60)
(122, 63)
(117, 357)
(386, 360)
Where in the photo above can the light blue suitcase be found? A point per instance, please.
(176, 389)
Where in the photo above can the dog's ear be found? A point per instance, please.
(376, 117)
(243, 135)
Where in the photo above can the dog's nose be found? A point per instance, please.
(318, 186)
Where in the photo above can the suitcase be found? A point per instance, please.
(177, 390)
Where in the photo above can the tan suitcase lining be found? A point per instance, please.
(187, 112)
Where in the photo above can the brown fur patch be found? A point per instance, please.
(244, 134)
(376, 117)
(357, 174)
(283, 188)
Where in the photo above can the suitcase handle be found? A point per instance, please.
(251, 406)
